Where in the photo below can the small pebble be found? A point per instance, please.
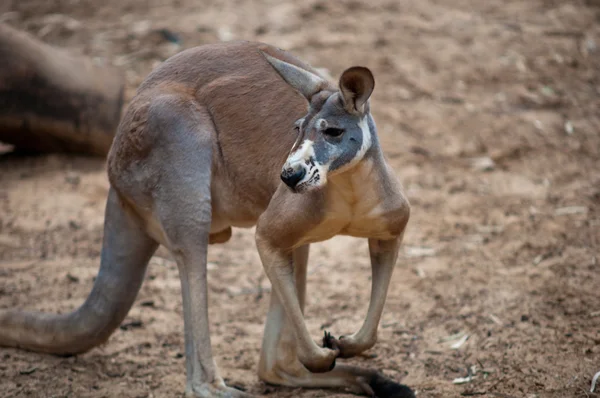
(484, 163)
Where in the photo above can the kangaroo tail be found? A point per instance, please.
(126, 250)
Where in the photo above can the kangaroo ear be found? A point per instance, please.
(356, 85)
(307, 83)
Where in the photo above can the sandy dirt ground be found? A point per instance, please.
(488, 111)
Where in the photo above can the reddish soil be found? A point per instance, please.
(488, 111)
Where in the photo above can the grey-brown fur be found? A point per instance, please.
(203, 148)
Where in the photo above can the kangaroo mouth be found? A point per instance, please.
(313, 180)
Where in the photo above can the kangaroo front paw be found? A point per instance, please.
(329, 341)
(348, 346)
(320, 361)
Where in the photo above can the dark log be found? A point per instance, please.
(53, 101)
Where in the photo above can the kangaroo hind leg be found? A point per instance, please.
(182, 157)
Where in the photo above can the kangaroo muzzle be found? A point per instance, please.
(301, 172)
(292, 176)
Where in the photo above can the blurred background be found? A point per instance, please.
(488, 112)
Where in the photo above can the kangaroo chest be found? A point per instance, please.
(354, 206)
(343, 219)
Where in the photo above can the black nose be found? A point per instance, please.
(292, 177)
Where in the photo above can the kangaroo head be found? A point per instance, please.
(336, 132)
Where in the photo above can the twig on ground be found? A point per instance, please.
(28, 371)
(460, 342)
(245, 291)
(131, 324)
(472, 393)
(594, 380)
(495, 319)
(562, 211)
(388, 324)
(564, 33)
(463, 380)
(587, 394)
(471, 374)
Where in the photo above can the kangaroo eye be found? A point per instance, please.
(333, 131)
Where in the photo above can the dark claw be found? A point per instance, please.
(328, 340)
(332, 365)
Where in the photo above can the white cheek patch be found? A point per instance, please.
(303, 153)
(366, 138)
